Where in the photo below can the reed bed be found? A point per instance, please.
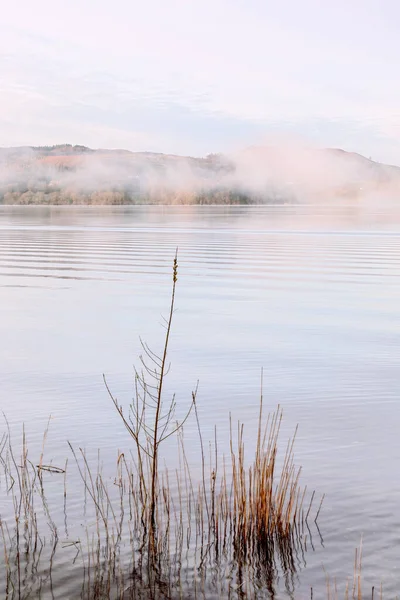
(151, 532)
(205, 539)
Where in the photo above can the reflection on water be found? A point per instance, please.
(310, 294)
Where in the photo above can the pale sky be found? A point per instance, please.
(192, 77)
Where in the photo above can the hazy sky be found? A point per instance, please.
(192, 77)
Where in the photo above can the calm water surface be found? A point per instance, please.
(309, 294)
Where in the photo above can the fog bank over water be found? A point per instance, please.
(276, 173)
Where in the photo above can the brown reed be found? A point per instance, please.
(145, 533)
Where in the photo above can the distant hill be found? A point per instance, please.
(66, 174)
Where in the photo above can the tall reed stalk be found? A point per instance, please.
(150, 421)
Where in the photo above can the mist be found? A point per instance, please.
(275, 172)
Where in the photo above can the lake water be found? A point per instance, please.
(309, 294)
